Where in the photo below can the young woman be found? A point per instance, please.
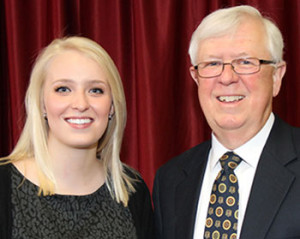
(64, 178)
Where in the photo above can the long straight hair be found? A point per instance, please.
(33, 139)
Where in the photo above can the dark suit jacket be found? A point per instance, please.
(273, 209)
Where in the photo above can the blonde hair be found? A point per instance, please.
(225, 21)
(33, 139)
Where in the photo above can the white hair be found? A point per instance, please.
(224, 21)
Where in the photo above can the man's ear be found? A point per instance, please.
(194, 74)
(277, 78)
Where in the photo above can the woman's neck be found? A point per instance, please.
(76, 170)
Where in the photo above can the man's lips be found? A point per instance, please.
(230, 98)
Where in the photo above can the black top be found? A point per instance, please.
(25, 215)
(60, 216)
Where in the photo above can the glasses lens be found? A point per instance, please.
(210, 69)
(246, 65)
(241, 66)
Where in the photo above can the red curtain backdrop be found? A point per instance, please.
(148, 40)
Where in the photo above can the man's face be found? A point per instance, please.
(235, 103)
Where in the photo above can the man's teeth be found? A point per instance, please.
(231, 98)
(79, 121)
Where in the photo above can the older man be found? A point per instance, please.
(245, 181)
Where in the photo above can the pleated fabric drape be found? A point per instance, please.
(148, 40)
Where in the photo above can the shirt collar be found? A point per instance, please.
(250, 151)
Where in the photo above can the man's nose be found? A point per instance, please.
(228, 75)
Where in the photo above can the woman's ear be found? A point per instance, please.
(44, 111)
(112, 109)
(111, 112)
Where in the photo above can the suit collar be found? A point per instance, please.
(188, 190)
(195, 158)
(280, 144)
(271, 183)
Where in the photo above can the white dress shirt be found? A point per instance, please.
(250, 153)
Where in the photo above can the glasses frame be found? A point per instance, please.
(261, 62)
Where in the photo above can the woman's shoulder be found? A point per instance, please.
(5, 177)
(141, 191)
(136, 179)
(140, 205)
(5, 167)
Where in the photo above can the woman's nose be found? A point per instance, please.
(80, 101)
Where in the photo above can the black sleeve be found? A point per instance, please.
(5, 202)
(157, 212)
(141, 209)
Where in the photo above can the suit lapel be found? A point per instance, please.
(187, 193)
(271, 183)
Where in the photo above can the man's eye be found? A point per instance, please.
(245, 62)
(62, 89)
(97, 91)
(212, 63)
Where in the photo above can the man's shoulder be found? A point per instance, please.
(187, 158)
(282, 128)
(283, 141)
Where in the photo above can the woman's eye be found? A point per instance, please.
(97, 91)
(62, 89)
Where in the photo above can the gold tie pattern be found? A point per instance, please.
(222, 215)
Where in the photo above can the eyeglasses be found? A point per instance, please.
(241, 66)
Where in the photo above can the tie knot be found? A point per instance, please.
(230, 161)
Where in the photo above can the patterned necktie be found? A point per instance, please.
(222, 215)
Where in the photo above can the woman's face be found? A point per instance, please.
(77, 100)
